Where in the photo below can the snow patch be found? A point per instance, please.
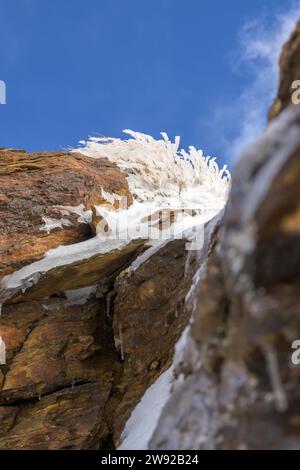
(79, 296)
(29, 275)
(51, 224)
(85, 215)
(144, 418)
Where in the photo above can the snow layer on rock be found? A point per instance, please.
(51, 224)
(79, 296)
(141, 259)
(29, 275)
(85, 216)
(144, 418)
(160, 178)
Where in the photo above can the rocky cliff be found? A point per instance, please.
(90, 320)
(90, 314)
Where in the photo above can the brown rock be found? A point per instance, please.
(8, 415)
(289, 72)
(66, 351)
(149, 317)
(98, 266)
(32, 185)
(1, 379)
(68, 419)
(54, 346)
(16, 323)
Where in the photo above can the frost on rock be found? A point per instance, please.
(85, 216)
(79, 296)
(161, 179)
(72, 297)
(156, 169)
(51, 224)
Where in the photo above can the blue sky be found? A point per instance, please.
(82, 67)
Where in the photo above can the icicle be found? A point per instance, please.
(121, 342)
(109, 297)
(281, 402)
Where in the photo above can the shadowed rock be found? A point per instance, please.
(289, 73)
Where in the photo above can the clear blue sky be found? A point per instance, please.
(80, 67)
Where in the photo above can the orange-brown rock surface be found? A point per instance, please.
(32, 185)
(69, 419)
(149, 316)
(51, 346)
(66, 383)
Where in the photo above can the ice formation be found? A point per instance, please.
(165, 182)
(158, 171)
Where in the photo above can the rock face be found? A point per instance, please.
(54, 346)
(46, 200)
(74, 367)
(289, 72)
(68, 419)
(149, 316)
(77, 363)
(89, 323)
(61, 365)
(241, 389)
